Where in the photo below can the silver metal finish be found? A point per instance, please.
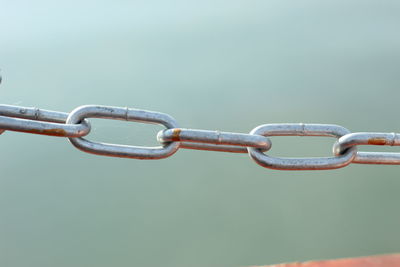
(33, 113)
(117, 113)
(44, 128)
(74, 126)
(37, 121)
(376, 139)
(300, 129)
(214, 140)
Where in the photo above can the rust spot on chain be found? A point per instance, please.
(52, 132)
(176, 134)
(377, 141)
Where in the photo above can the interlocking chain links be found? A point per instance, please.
(74, 125)
(40, 121)
(214, 140)
(128, 114)
(377, 139)
(301, 129)
(209, 140)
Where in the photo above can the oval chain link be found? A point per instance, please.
(375, 139)
(301, 129)
(128, 114)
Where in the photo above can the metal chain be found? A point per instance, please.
(75, 126)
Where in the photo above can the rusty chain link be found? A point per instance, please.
(75, 126)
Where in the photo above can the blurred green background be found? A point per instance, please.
(227, 65)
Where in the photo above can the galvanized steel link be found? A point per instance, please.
(301, 129)
(38, 121)
(376, 139)
(128, 114)
(214, 140)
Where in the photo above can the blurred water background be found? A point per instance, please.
(226, 65)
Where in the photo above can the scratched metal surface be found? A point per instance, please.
(226, 65)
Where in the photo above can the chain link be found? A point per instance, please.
(75, 126)
(117, 113)
(38, 121)
(301, 129)
(376, 139)
(214, 140)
